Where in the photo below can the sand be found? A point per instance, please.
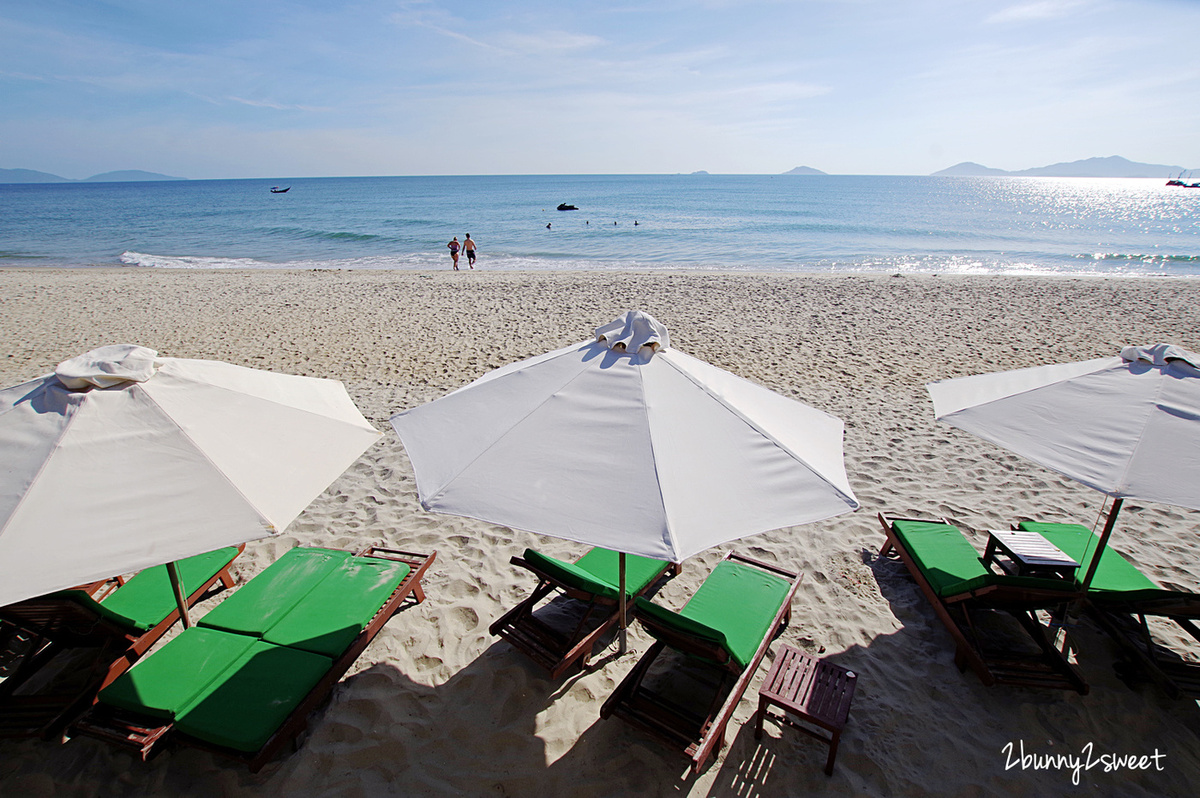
(436, 706)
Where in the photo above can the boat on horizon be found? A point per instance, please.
(1179, 181)
(562, 206)
(278, 190)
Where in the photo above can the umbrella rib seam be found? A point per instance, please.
(449, 480)
(225, 477)
(276, 402)
(1158, 393)
(45, 463)
(854, 504)
(672, 540)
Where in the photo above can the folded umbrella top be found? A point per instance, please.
(633, 331)
(107, 366)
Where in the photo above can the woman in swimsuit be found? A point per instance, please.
(454, 251)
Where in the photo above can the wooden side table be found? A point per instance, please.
(1030, 554)
(814, 690)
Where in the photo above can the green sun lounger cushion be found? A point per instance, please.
(734, 608)
(257, 605)
(253, 697)
(328, 618)
(1115, 574)
(953, 567)
(945, 557)
(164, 683)
(598, 571)
(147, 598)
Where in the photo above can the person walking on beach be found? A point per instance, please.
(454, 251)
(469, 247)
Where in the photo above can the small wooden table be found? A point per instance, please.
(1030, 554)
(812, 689)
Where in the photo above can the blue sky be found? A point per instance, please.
(275, 88)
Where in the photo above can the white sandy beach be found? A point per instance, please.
(436, 706)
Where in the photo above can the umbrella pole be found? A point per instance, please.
(624, 646)
(180, 599)
(1108, 528)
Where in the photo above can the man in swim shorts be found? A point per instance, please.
(454, 251)
(469, 247)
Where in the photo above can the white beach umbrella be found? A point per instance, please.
(122, 460)
(1126, 426)
(625, 443)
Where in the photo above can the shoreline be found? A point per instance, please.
(643, 270)
(436, 706)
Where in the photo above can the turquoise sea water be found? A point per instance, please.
(692, 222)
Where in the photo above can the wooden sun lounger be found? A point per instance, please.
(723, 653)
(109, 623)
(590, 580)
(958, 585)
(270, 659)
(1125, 620)
(1121, 599)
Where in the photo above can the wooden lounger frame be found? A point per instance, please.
(1125, 622)
(657, 715)
(148, 736)
(554, 649)
(1049, 669)
(56, 624)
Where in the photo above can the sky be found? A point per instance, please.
(310, 88)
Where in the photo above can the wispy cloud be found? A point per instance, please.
(1033, 12)
(548, 42)
(274, 105)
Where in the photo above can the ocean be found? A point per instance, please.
(991, 225)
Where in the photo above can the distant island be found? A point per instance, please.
(122, 176)
(804, 170)
(1113, 166)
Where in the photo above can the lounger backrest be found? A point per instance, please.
(570, 574)
(953, 566)
(67, 611)
(734, 609)
(604, 565)
(945, 557)
(143, 602)
(148, 597)
(257, 605)
(598, 572)
(1114, 573)
(316, 600)
(339, 607)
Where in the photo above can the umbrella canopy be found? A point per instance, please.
(121, 460)
(1126, 426)
(625, 443)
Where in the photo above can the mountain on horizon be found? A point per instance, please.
(122, 176)
(29, 176)
(1112, 166)
(129, 176)
(805, 170)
